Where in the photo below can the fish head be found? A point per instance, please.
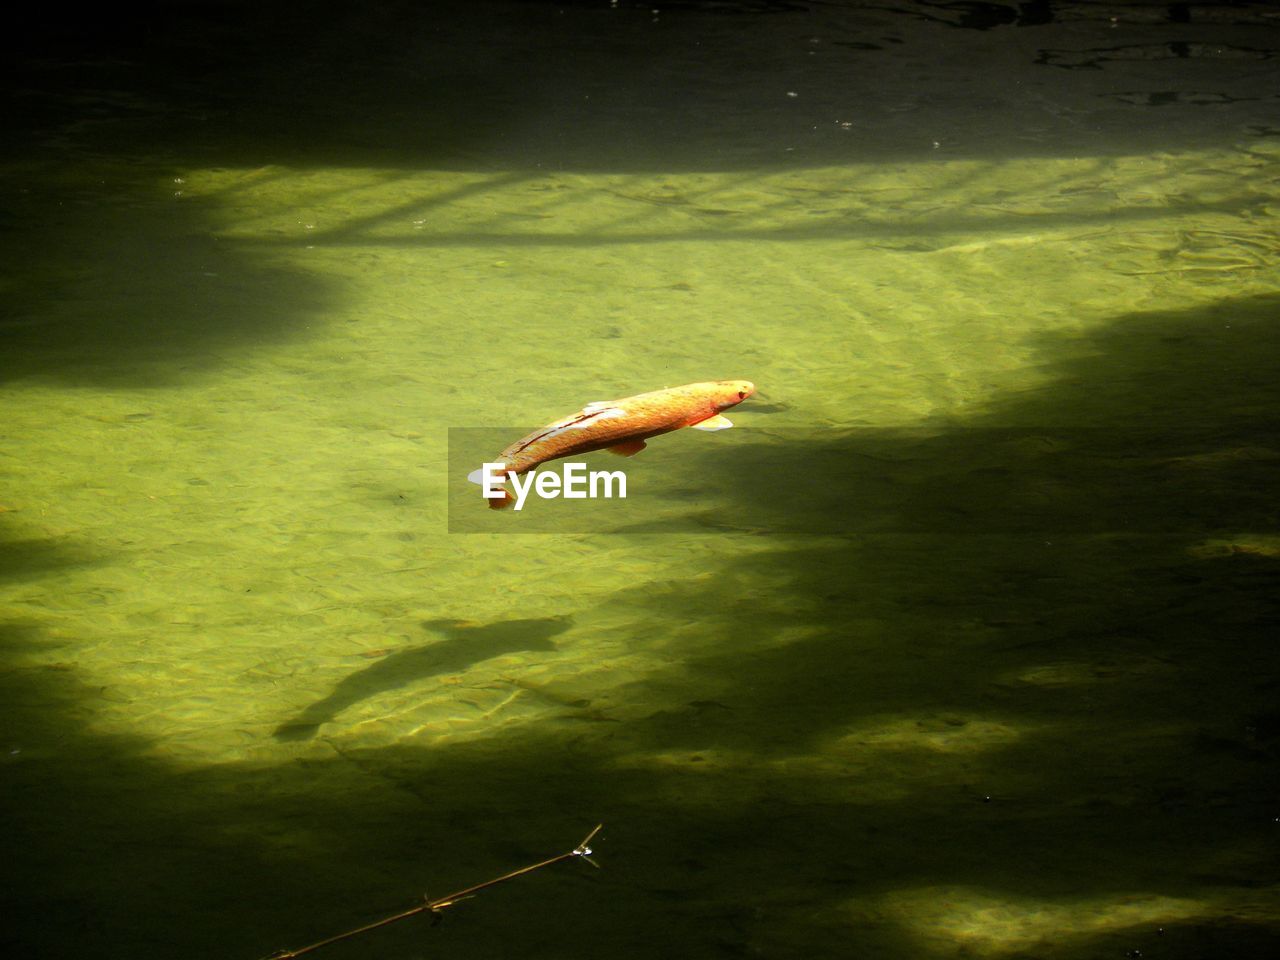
(730, 393)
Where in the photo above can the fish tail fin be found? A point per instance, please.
(502, 502)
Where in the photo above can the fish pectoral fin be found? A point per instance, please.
(628, 449)
(713, 423)
(476, 476)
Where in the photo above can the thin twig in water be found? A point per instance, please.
(436, 906)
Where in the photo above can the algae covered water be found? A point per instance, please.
(961, 643)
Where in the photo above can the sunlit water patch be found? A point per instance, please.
(257, 530)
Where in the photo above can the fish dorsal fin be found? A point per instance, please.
(716, 422)
(600, 411)
(587, 418)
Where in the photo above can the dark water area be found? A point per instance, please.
(961, 644)
(628, 86)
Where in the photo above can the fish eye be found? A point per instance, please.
(742, 394)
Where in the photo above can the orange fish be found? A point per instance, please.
(621, 426)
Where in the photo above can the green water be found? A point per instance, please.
(960, 644)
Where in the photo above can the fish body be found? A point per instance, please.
(622, 426)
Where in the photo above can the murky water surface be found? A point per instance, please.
(960, 644)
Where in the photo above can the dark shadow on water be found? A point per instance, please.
(595, 86)
(114, 281)
(464, 645)
(28, 558)
(1048, 628)
(1160, 424)
(1045, 681)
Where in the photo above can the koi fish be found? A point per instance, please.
(621, 426)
